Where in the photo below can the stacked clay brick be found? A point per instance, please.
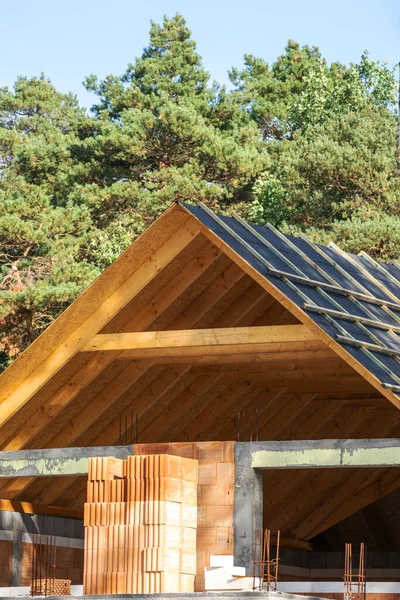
(215, 496)
(140, 525)
(53, 587)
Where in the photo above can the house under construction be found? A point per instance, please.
(219, 379)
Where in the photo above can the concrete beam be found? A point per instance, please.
(325, 454)
(53, 462)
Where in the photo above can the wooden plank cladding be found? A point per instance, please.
(216, 477)
(140, 525)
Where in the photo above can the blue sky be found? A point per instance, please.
(71, 39)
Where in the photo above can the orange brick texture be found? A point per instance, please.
(55, 587)
(140, 525)
(5, 563)
(214, 499)
(69, 564)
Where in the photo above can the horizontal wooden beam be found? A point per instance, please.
(294, 376)
(275, 362)
(40, 509)
(194, 342)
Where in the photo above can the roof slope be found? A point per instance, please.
(354, 299)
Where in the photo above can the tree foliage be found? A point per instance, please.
(302, 144)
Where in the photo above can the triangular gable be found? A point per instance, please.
(286, 267)
(351, 302)
(96, 306)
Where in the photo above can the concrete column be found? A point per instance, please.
(248, 507)
(16, 559)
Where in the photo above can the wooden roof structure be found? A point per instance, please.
(204, 316)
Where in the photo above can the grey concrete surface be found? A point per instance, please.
(318, 454)
(43, 524)
(23, 526)
(248, 506)
(16, 556)
(53, 462)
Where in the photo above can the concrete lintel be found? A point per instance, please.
(53, 462)
(318, 454)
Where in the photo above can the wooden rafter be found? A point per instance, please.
(338, 490)
(295, 491)
(100, 404)
(103, 404)
(388, 482)
(204, 413)
(202, 400)
(93, 297)
(97, 364)
(342, 486)
(258, 405)
(96, 408)
(298, 312)
(80, 336)
(39, 509)
(285, 487)
(306, 499)
(235, 313)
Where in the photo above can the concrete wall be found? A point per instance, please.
(16, 533)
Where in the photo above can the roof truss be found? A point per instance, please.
(299, 388)
(294, 283)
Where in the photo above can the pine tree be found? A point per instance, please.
(305, 145)
(162, 131)
(333, 172)
(41, 230)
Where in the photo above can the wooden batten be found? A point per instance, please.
(299, 314)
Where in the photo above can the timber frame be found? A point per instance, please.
(201, 318)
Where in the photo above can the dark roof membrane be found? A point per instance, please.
(295, 265)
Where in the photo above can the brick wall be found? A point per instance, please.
(69, 545)
(5, 562)
(69, 564)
